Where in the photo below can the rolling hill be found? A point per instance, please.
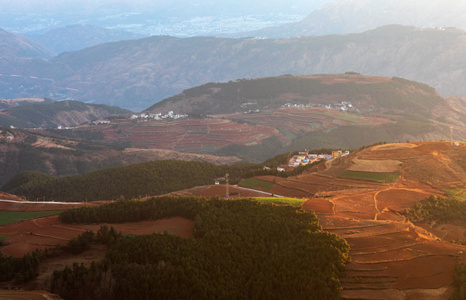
(51, 114)
(259, 118)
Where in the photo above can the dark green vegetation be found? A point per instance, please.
(459, 282)
(51, 115)
(372, 176)
(241, 249)
(22, 269)
(7, 217)
(256, 183)
(446, 210)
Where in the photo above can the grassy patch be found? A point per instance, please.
(3, 238)
(460, 194)
(292, 201)
(7, 217)
(372, 176)
(256, 183)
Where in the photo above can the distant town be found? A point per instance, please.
(304, 158)
(343, 106)
(139, 118)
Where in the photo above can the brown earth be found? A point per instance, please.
(47, 232)
(23, 295)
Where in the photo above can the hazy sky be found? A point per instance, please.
(154, 17)
(223, 6)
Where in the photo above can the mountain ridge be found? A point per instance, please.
(136, 74)
(17, 46)
(356, 16)
(84, 36)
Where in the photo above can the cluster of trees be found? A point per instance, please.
(459, 282)
(20, 269)
(447, 210)
(240, 249)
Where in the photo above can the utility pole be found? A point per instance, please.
(451, 135)
(227, 187)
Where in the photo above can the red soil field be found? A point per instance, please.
(47, 232)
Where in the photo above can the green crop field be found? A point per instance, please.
(7, 217)
(460, 194)
(372, 176)
(280, 200)
(256, 183)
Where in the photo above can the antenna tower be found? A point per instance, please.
(227, 187)
(451, 135)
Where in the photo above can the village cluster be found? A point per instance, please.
(343, 106)
(140, 118)
(304, 158)
(159, 116)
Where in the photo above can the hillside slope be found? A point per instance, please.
(16, 46)
(22, 151)
(52, 115)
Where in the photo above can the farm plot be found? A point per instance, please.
(194, 135)
(371, 176)
(394, 259)
(49, 231)
(7, 217)
(377, 166)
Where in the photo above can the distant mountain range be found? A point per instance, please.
(136, 74)
(355, 16)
